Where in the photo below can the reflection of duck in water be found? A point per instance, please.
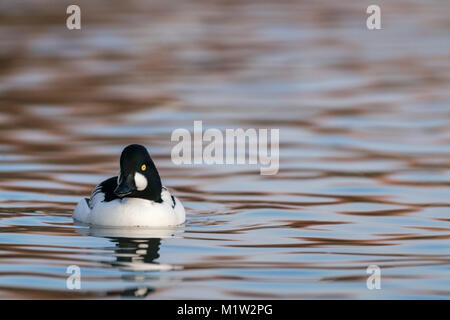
(136, 253)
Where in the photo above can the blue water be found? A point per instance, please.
(364, 173)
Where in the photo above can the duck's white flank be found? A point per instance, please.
(131, 212)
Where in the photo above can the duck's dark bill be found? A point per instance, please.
(125, 187)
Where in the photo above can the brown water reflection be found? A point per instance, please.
(364, 121)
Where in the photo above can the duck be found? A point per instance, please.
(134, 198)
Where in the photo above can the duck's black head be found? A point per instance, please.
(138, 176)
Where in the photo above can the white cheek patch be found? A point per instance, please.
(140, 181)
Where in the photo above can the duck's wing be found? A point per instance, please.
(104, 192)
(176, 205)
(82, 211)
(166, 197)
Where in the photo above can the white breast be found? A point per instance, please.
(132, 212)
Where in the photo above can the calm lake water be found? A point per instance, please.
(364, 119)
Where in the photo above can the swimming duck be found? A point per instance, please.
(135, 198)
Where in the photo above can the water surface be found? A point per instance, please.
(364, 119)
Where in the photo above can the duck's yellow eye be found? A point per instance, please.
(143, 167)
